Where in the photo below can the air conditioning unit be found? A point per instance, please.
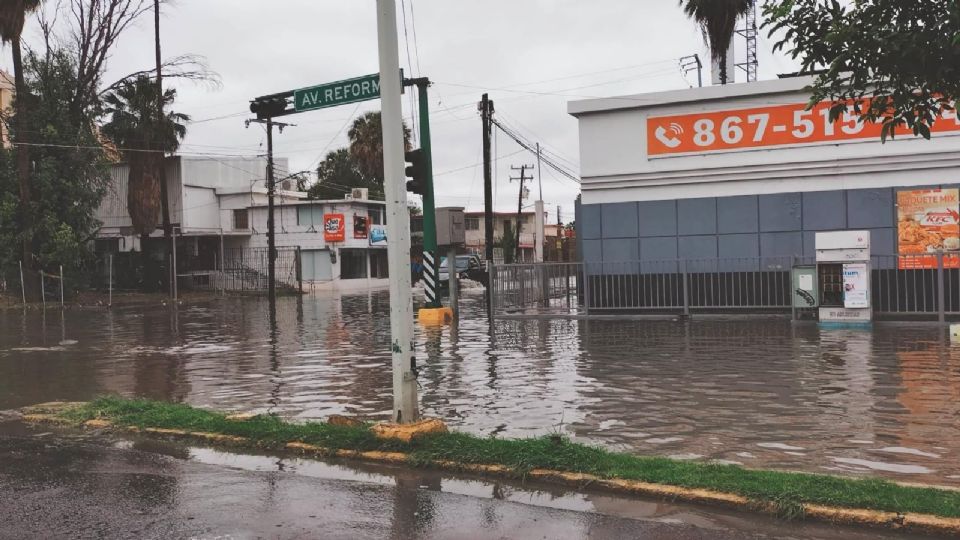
(286, 185)
(360, 194)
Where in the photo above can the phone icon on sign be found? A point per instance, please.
(670, 141)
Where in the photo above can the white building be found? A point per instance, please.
(218, 208)
(504, 224)
(744, 170)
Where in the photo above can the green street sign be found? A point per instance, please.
(337, 93)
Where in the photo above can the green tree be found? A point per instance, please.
(366, 145)
(718, 21)
(337, 174)
(144, 136)
(902, 56)
(13, 14)
(68, 177)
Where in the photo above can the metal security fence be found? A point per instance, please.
(241, 269)
(722, 285)
(544, 287)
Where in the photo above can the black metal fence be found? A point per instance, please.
(723, 285)
(241, 269)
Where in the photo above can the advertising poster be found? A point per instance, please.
(856, 286)
(360, 227)
(928, 221)
(334, 229)
(378, 235)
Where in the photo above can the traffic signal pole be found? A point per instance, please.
(405, 408)
(430, 249)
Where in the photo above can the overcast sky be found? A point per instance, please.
(532, 56)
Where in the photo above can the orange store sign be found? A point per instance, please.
(765, 126)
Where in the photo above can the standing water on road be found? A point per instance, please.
(762, 393)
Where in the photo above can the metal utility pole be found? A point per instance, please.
(522, 179)
(271, 191)
(749, 33)
(405, 408)
(271, 231)
(486, 111)
(430, 249)
(690, 63)
(162, 158)
(539, 176)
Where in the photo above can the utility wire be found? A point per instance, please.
(531, 147)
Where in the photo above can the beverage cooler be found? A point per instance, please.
(843, 277)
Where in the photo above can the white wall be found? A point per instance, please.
(616, 168)
(200, 208)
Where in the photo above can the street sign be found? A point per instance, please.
(337, 93)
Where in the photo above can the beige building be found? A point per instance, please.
(6, 102)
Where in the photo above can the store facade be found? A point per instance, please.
(745, 176)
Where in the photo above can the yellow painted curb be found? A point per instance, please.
(840, 516)
(435, 316)
(408, 432)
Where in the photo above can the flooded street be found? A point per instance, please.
(762, 393)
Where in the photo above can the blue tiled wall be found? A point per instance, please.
(771, 227)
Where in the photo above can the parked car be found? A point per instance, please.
(463, 266)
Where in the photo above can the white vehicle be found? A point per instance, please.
(464, 263)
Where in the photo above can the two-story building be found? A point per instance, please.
(504, 224)
(218, 211)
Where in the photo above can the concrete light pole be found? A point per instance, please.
(405, 407)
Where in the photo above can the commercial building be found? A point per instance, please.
(745, 175)
(218, 209)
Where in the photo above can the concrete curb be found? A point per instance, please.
(921, 523)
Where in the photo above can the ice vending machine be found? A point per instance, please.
(843, 276)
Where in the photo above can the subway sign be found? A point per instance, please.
(780, 125)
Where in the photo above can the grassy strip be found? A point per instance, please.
(786, 490)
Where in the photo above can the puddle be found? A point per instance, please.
(883, 466)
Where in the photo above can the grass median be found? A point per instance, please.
(788, 491)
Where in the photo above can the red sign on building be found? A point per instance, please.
(334, 228)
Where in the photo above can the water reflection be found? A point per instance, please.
(760, 393)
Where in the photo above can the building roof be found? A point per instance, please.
(309, 202)
(691, 95)
(499, 214)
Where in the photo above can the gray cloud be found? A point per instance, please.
(532, 56)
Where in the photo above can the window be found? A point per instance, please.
(472, 223)
(240, 221)
(416, 224)
(376, 216)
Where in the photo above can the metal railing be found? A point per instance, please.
(901, 286)
(243, 269)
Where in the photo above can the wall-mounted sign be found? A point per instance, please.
(334, 228)
(856, 286)
(360, 227)
(928, 221)
(765, 126)
(378, 235)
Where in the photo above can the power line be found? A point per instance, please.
(416, 46)
(530, 147)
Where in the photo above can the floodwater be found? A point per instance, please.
(762, 393)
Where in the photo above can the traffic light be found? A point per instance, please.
(417, 171)
(268, 107)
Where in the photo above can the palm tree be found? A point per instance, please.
(366, 145)
(133, 125)
(13, 14)
(718, 21)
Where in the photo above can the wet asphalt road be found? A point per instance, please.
(56, 485)
(64, 490)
